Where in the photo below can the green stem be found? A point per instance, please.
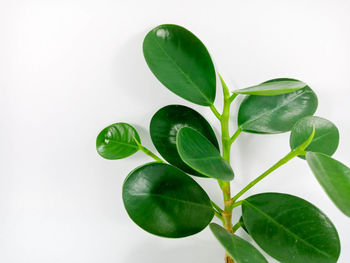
(215, 111)
(236, 204)
(299, 150)
(284, 160)
(215, 206)
(232, 97)
(226, 149)
(236, 227)
(235, 135)
(150, 153)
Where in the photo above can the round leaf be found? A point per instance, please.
(165, 201)
(164, 127)
(334, 177)
(181, 63)
(273, 87)
(238, 248)
(200, 154)
(290, 229)
(117, 141)
(326, 137)
(276, 114)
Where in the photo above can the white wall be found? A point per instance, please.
(70, 68)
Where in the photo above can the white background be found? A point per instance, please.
(70, 68)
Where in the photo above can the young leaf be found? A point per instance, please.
(273, 87)
(334, 177)
(164, 127)
(200, 154)
(290, 229)
(326, 138)
(165, 201)
(181, 63)
(117, 141)
(276, 114)
(239, 249)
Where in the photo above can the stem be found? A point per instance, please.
(226, 149)
(233, 96)
(236, 204)
(215, 206)
(215, 111)
(235, 135)
(284, 160)
(299, 150)
(149, 153)
(236, 227)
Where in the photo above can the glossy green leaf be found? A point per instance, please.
(117, 141)
(290, 229)
(276, 114)
(165, 201)
(181, 63)
(239, 249)
(334, 177)
(164, 127)
(200, 154)
(326, 137)
(273, 87)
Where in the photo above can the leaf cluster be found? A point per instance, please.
(162, 197)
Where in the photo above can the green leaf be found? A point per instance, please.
(239, 249)
(164, 127)
(290, 229)
(200, 154)
(326, 137)
(273, 87)
(276, 114)
(117, 141)
(334, 177)
(181, 63)
(165, 201)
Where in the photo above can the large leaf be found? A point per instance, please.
(181, 62)
(238, 248)
(117, 141)
(165, 201)
(164, 127)
(326, 137)
(290, 229)
(276, 114)
(200, 154)
(334, 177)
(273, 87)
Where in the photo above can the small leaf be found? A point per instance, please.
(117, 141)
(239, 249)
(273, 87)
(276, 114)
(200, 154)
(326, 138)
(334, 177)
(165, 201)
(290, 229)
(165, 125)
(181, 63)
